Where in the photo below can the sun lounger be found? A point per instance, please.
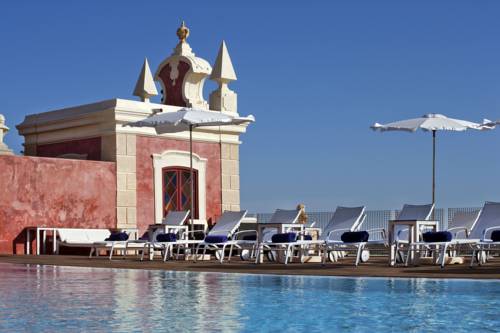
(225, 234)
(272, 241)
(410, 213)
(82, 238)
(458, 233)
(161, 236)
(344, 233)
(486, 233)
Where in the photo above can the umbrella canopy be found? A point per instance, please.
(428, 122)
(185, 120)
(432, 122)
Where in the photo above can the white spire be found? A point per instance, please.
(145, 86)
(223, 70)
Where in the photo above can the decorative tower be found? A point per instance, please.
(4, 150)
(223, 99)
(182, 75)
(145, 87)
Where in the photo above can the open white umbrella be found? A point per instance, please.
(186, 119)
(431, 123)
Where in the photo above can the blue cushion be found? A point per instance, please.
(250, 237)
(288, 237)
(437, 236)
(495, 235)
(117, 237)
(355, 236)
(166, 237)
(308, 237)
(216, 239)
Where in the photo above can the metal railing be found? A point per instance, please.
(377, 218)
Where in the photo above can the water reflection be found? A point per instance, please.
(46, 299)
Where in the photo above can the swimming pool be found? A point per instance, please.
(47, 299)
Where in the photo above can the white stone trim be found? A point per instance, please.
(176, 158)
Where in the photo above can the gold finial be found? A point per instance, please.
(183, 32)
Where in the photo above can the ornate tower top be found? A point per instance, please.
(182, 74)
(183, 32)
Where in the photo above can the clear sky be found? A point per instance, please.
(315, 74)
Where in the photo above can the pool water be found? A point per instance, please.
(71, 299)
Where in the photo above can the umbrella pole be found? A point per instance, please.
(191, 173)
(433, 169)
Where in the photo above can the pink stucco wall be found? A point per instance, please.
(90, 147)
(37, 191)
(146, 146)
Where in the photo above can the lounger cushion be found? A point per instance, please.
(437, 236)
(249, 237)
(216, 239)
(117, 237)
(495, 235)
(355, 236)
(170, 237)
(288, 237)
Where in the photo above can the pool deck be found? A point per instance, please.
(376, 267)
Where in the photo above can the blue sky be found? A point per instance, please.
(315, 74)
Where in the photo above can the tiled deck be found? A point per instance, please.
(376, 267)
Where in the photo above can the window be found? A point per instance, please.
(177, 190)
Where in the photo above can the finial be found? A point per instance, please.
(223, 70)
(4, 150)
(183, 32)
(145, 86)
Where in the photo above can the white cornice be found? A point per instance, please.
(108, 117)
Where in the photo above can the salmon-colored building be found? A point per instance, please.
(83, 167)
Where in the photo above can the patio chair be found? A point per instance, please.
(486, 233)
(442, 242)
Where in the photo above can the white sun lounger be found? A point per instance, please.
(280, 216)
(174, 223)
(345, 219)
(225, 233)
(488, 222)
(410, 213)
(82, 238)
(460, 228)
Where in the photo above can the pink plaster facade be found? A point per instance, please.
(90, 147)
(37, 191)
(146, 146)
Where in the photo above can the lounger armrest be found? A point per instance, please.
(456, 230)
(485, 232)
(336, 231)
(185, 234)
(236, 234)
(380, 231)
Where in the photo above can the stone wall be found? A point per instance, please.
(37, 191)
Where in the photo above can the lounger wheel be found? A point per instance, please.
(481, 257)
(365, 255)
(245, 254)
(272, 255)
(218, 254)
